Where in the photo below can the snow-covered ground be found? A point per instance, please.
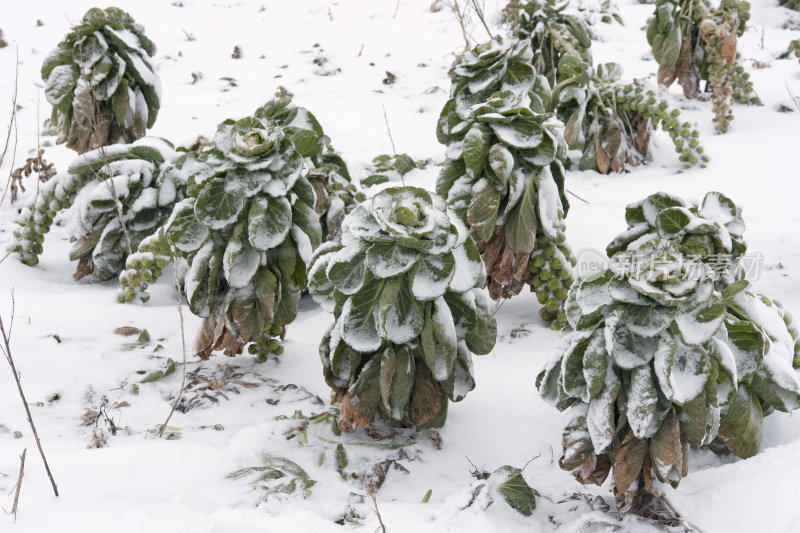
(72, 362)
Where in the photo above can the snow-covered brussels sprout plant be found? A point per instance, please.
(101, 83)
(611, 123)
(712, 232)
(608, 122)
(135, 174)
(694, 42)
(656, 363)
(328, 174)
(504, 175)
(247, 229)
(403, 286)
(553, 32)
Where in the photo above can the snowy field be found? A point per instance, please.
(74, 367)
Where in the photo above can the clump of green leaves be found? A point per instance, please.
(693, 42)
(791, 4)
(507, 483)
(794, 47)
(336, 195)
(611, 124)
(277, 475)
(247, 230)
(655, 364)
(387, 168)
(712, 232)
(552, 32)
(127, 177)
(101, 83)
(504, 175)
(403, 287)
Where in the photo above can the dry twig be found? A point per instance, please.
(11, 122)
(18, 486)
(7, 353)
(480, 12)
(183, 336)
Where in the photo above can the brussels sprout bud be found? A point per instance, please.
(542, 295)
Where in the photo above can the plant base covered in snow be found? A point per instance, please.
(403, 287)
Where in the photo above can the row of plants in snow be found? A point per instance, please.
(675, 356)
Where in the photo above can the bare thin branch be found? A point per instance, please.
(6, 349)
(388, 130)
(11, 123)
(183, 336)
(391, 140)
(382, 526)
(461, 22)
(480, 12)
(18, 486)
(578, 197)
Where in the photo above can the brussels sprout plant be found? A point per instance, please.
(101, 83)
(504, 175)
(247, 229)
(403, 286)
(131, 178)
(552, 31)
(655, 364)
(611, 123)
(693, 42)
(711, 232)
